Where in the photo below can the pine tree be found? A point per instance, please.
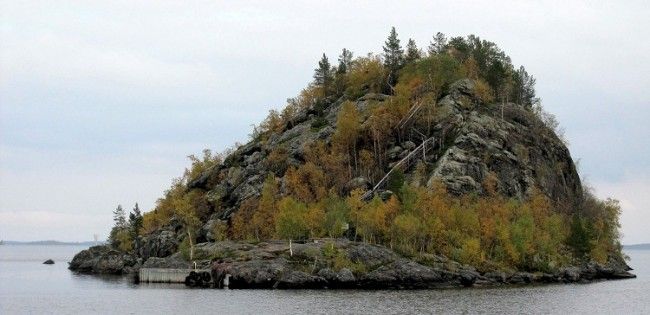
(323, 74)
(135, 225)
(524, 88)
(393, 56)
(412, 52)
(119, 217)
(438, 44)
(345, 61)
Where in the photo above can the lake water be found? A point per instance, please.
(28, 286)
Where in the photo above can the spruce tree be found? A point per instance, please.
(393, 56)
(412, 51)
(438, 45)
(345, 61)
(323, 74)
(119, 217)
(135, 225)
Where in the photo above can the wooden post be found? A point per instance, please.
(290, 249)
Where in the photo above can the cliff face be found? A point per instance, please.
(469, 141)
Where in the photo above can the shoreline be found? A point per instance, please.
(335, 264)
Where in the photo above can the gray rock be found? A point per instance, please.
(300, 280)
(345, 275)
(496, 276)
(371, 255)
(328, 274)
(394, 152)
(159, 244)
(101, 260)
(49, 262)
(403, 274)
(358, 183)
(521, 278)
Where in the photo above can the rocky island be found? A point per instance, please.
(404, 170)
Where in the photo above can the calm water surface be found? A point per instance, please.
(28, 286)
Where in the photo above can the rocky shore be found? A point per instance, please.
(334, 264)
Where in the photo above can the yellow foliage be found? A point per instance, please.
(366, 76)
(307, 183)
(483, 91)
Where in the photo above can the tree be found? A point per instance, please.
(119, 217)
(135, 225)
(341, 77)
(393, 56)
(438, 45)
(366, 75)
(345, 61)
(323, 75)
(412, 52)
(347, 132)
(264, 218)
(524, 88)
(120, 236)
(186, 213)
(291, 222)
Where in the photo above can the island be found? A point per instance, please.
(407, 169)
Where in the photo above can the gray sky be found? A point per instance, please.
(101, 102)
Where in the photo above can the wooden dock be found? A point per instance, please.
(166, 275)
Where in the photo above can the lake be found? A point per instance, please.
(28, 286)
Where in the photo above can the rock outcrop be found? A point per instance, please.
(103, 259)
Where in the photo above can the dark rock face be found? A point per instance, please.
(103, 260)
(49, 262)
(160, 244)
(403, 274)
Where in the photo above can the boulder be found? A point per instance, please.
(345, 275)
(521, 278)
(103, 259)
(49, 262)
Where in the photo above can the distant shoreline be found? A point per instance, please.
(52, 242)
(637, 246)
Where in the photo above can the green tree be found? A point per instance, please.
(119, 217)
(323, 75)
(438, 45)
(524, 88)
(135, 225)
(184, 210)
(393, 56)
(580, 237)
(119, 235)
(291, 222)
(412, 52)
(345, 61)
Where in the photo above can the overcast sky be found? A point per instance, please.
(100, 103)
